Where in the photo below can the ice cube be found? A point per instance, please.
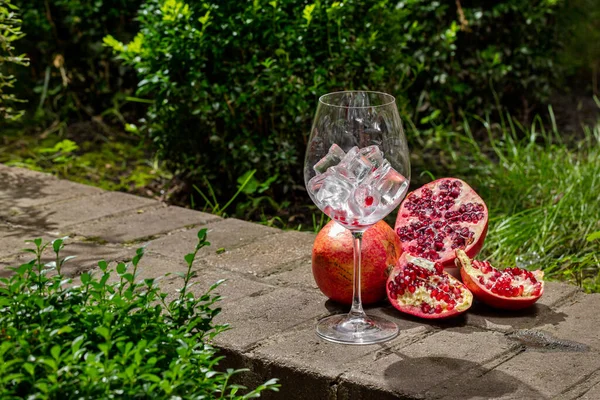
(364, 200)
(357, 164)
(373, 154)
(389, 183)
(331, 189)
(333, 157)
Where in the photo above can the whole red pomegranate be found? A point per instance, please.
(333, 261)
(511, 289)
(422, 288)
(440, 217)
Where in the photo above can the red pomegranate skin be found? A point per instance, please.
(333, 261)
(492, 299)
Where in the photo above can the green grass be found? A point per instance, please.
(104, 158)
(542, 190)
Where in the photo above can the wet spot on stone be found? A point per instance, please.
(534, 340)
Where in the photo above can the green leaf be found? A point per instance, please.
(85, 278)
(103, 265)
(57, 245)
(136, 259)
(248, 184)
(103, 331)
(30, 368)
(121, 268)
(65, 329)
(189, 258)
(593, 236)
(55, 352)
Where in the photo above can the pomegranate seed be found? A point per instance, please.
(450, 307)
(411, 289)
(455, 192)
(438, 309)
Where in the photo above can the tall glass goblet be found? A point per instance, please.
(357, 171)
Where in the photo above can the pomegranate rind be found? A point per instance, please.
(447, 256)
(333, 261)
(468, 274)
(402, 303)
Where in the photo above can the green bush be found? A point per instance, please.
(235, 84)
(10, 30)
(71, 76)
(102, 340)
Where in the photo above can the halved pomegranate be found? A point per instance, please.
(440, 217)
(422, 288)
(511, 289)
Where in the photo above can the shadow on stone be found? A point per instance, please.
(336, 308)
(536, 315)
(475, 381)
(453, 322)
(17, 188)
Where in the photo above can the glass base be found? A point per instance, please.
(349, 329)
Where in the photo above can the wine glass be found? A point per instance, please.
(357, 171)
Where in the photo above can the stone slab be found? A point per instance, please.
(592, 394)
(303, 363)
(233, 288)
(265, 256)
(581, 321)
(542, 313)
(297, 274)
(549, 374)
(12, 239)
(59, 216)
(227, 234)
(408, 372)
(21, 189)
(257, 318)
(143, 224)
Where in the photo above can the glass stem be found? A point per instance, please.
(357, 310)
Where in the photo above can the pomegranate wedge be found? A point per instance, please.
(422, 288)
(511, 289)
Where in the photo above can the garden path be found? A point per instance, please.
(270, 300)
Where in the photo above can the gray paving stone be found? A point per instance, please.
(302, 349)
(592, 394)
(265, 256)
(304, 362)
(259, 317)
(550, 374)
(297, 274)
(541, 313)
(412, 370)
(134, 226)
(225, 234)
(22, 189)
(58, 216)
(12, 239)
(587, 388)
(164, 270)
(581, 323)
